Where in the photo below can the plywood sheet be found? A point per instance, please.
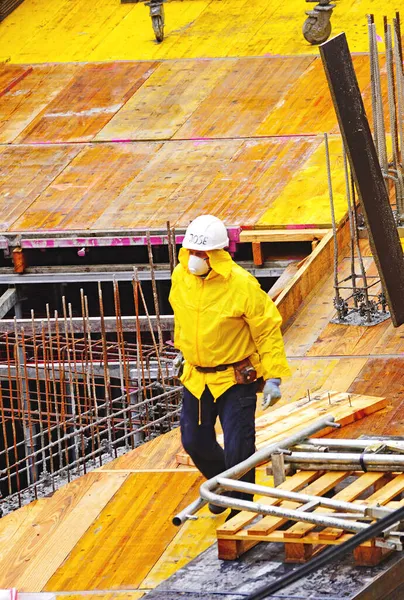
(25, 100)
(130, 534)
(234, 179)
(156, 454)
(47, 542)
(166, 100)
(244, 97)
(305, 199)
(88, 102)
(306, 106)
(11, 75)
(25, 173)
(90, 183)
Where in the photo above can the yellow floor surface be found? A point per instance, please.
(64, 31)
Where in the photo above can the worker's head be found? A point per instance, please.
(204, 234)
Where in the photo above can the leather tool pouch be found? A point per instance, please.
(245, 372)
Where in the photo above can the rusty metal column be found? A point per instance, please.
(374, 199)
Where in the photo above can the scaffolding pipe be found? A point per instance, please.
(272, 492)
(206, 490)
(345, 443)
(369, 459)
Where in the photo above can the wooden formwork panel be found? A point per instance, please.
(11, 75)
(303, 540)
(87, 102)
(22, 102)
(142, 185)
(238, 97)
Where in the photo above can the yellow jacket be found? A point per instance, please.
(222, 319)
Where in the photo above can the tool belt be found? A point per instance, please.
(243, 370)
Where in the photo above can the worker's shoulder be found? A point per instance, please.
(243, 276)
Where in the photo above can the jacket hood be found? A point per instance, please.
(220, 261)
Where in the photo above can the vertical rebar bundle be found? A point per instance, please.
(357, 299)
(392, 169)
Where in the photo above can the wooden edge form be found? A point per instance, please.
(318, 265)
(282, 235)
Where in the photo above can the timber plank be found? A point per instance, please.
(348, 494)
(318, 487)
(24, 101)
(158, 453)
(58, 527)
(132, 520)
(88, 102)
(13, 525)
(292, 484)
(25, 173)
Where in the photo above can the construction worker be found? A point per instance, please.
(227, 330)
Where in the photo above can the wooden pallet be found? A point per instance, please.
(286, 420)
(301, 540)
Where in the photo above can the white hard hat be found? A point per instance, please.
(206, 233)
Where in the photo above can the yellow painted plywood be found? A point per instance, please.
(245, 96)
(166, 100)
(24, 101)
(130, 535)
(188, 178)
(87, 102)
(136, 185)
(306, 107)
(47, 542)
(11, 75)
(90, 183)
(39, 31)
(26, 172)
(305, 199)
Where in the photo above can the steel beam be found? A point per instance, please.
(162, 272)
(373, 196)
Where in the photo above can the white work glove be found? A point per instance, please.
(178, 364)
(271, 393)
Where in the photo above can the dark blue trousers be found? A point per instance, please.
(236, 411)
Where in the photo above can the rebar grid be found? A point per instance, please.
(69, 402)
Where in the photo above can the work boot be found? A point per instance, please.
(216, 510)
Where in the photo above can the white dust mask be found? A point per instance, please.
(197, 265)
